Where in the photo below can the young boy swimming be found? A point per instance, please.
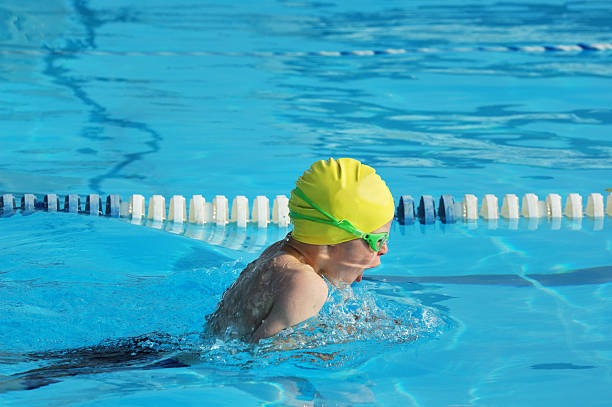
(341, 212)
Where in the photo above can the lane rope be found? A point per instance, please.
(529, 49)
(219, 212)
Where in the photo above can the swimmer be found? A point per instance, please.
(341, 212)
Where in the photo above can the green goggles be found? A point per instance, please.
(374, 240)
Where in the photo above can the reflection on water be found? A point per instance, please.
(437, 111)
(392, 137)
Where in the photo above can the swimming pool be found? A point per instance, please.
(104, 97)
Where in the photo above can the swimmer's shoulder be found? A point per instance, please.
(295, 277)
(300, 295)
(303, 282)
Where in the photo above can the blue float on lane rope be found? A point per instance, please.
(113, 206)
(405, 210)
(72, 203)
(7, 204)
(446, 209)
(93, 205)
(427, 210)
(51, 203)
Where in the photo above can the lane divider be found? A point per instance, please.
(218, 212)
(450, 211)
(200, 211)
(531, 49)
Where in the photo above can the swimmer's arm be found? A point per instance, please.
(300, 298)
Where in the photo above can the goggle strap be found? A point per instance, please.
(343, 224)
(299, 193)
(300, 216)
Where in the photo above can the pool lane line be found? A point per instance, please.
(532, 208)
(218, 210)
(200, 211)
(528, 49)
(213, 230)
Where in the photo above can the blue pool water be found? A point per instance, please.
(217, 98)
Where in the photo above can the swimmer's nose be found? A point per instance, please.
(383, 250)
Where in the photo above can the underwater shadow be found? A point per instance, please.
(149, 352)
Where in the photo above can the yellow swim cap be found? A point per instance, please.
(346, 189)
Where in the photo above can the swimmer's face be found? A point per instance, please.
(348, 260)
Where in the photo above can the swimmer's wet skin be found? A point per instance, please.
(341, 212)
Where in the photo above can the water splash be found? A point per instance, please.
(347, 331)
